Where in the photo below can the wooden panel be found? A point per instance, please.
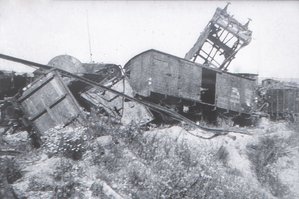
(140, 73)
(272, 100)
(297, 102)
(157, 72)
(247, 94)
(228, 92)
(283, 100)
(189, 80)
(291, 101)
(44, 96)
(235, 93)
(48, 103)
(222, 91)
(164, 75)
(173, 76)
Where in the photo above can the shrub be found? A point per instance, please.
(101, 125)
(136, 178)
(97, 190)
(70, 142)
(108, 156)
(222, 155)
(39, 184)
(69, 189)
(263, 156)
(112, 159)
(10, 169)
(179, 172)
(184, 154)
(63, 169)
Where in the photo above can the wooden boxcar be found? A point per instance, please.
(283, 102)
(153, 72)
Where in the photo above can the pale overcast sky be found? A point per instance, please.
(41, 30)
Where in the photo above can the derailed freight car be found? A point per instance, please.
(283, 103)
(194, 90)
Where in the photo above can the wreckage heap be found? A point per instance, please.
(53, 99)
(65, 90)
(146, 115)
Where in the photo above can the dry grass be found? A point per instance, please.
(263, 156)
(142, 165)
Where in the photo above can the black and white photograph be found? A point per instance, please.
(144, 99)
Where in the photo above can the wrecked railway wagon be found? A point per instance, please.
(283, 103)
(192, 89)
(59, 97)
(280, 99)
(48, 102)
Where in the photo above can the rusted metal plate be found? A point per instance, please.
(47, 102)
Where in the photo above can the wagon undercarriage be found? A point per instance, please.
(199, 112)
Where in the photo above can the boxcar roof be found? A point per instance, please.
(197, 64)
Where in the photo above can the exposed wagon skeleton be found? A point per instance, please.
(220, 41)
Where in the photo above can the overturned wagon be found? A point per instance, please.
(195, 90)
(48, 102)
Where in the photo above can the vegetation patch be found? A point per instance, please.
(263, 157)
